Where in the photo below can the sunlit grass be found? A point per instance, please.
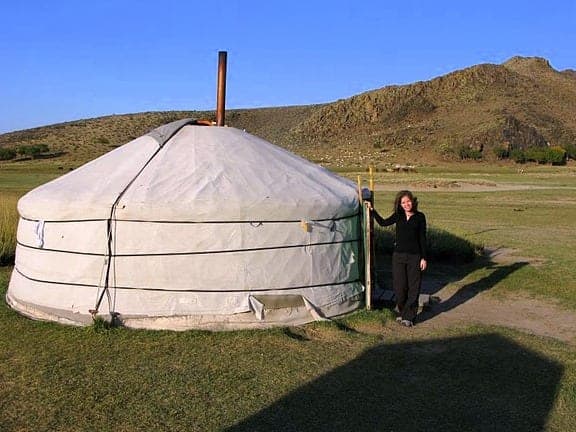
(535, 226)
(8, 226)
(15, 180)
(336, 374)
(344, 374)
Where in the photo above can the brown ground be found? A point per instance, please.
(537, 316)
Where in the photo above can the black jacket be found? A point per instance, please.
(410, 233)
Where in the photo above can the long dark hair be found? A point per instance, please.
(405, 193)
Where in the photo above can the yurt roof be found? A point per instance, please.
(183, 171)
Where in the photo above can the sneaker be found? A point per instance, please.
(406, 323)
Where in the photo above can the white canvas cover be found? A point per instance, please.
(190, 226)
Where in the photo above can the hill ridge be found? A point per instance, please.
(520, 103)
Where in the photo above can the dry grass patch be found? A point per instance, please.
(8, 227)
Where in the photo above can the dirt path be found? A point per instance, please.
(472, 304)
(538, 317)
(457, 306)
(460, 186)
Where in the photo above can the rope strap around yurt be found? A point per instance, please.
(195, 290)
(256, 224)
(210, 252)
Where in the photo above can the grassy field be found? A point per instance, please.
(361, 373)
(536, 225)
(354, 375)
(15, 181)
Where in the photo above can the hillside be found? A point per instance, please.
(522, 103)
(82, 140)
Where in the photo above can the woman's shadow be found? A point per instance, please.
(446, 266)
(471, 290)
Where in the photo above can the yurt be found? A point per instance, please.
(190, 226)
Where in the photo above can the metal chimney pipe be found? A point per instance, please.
(221, 91)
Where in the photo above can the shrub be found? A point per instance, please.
(442, 245)
(7, 153)
(501, 152)
(518, 156)
(556, 155)
(466, 152)
(543, 155)
(445, 246)
(33, 150)
(536, 154)
(445, 150)
(377, 143)
(570, 151)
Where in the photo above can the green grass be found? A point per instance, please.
(15, 181)
(334, 377)
(21, 177)
(8, 226)
(536, 225)
(358, 373)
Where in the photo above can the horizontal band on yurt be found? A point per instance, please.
(113, 287)
(191, 253)
(216, 222)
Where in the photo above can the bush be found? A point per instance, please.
(501, 152)
(378, 143)
(543, 155)
(445, 150)
(466, 152)
(536, 154)
(7, 153)
(442, 245)
(518, 156)
(570, 151)
(33, 150)
(556, 155)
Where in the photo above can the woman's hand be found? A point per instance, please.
(423, 264)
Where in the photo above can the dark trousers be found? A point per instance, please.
(406, 279)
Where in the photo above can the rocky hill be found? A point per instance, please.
(519, 104)
(522, 103)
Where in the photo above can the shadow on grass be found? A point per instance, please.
(471, 290)
(475, 383)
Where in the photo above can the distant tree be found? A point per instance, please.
(33, 150)
(546, 155)
(537, 154)
(570, 150)
(518, 156)
(466, 152)
(501, 152)
(7, 153)
(557, 155)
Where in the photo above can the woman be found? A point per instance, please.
(409, 259)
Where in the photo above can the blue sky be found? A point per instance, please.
(68, 60)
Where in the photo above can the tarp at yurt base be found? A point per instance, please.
(190, 226)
